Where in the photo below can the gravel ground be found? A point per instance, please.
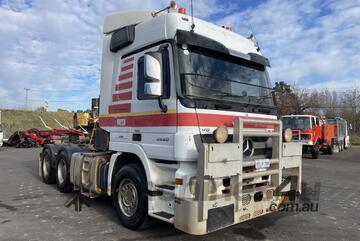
(32, 210)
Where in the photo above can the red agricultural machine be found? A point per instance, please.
(34, 137)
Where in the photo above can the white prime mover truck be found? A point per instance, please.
(188, 130)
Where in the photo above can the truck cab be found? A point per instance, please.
(315, 133)
(188, 129)
(306, 128)
(206, 78)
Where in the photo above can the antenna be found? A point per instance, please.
(254, 40)
(192, 16)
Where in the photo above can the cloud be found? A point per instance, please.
(54, 46)
(314, 44)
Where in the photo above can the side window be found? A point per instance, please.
(313, 122)
(317, 122)
(166, 77)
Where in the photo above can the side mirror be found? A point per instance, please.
(153, 72)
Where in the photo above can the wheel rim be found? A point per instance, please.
(128, 197)
(46, 166)
(61, 171)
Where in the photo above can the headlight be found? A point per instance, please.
(221, 134)
(287, 135)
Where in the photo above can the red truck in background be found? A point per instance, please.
(314, 132)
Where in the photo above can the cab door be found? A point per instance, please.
(153, 128)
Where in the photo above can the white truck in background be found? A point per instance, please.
(1, 132)
(188, 130)
(342, 131)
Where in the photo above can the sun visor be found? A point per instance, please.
(190, 38)
(257, 58)
(122, 38)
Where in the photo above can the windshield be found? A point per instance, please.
(211, 75)
(296, 122)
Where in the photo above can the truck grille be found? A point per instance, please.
(262, 146)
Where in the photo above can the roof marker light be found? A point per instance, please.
(182, 10)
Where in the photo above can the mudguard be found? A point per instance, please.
(69, 149)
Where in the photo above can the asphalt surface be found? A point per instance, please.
(32, 210)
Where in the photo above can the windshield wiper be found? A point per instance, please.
(228, 80)
(223, 94)
(223, 106)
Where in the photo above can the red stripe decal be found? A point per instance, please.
(122, 96)
(125, 76)
(180, 119)
(146, 120)
(130, 66)
(128, 60)
(123, 86)
(190, 119)
(119, 108)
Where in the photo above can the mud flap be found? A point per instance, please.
(220, 217)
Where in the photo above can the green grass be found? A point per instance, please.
(16, 120)
(355, 140)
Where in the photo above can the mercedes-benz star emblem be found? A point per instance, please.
(248, 147)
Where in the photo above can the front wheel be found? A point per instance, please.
(130, 196)
(341, 146)
(315, 152)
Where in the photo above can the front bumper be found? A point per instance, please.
(230, 190)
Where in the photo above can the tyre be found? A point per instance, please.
(315, 152)
(330, 149)
(341, 146)
(130, 196)
(63, 173)
(47, 173)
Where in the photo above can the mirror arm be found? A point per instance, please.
(162, 106)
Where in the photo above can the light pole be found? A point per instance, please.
(26, 97)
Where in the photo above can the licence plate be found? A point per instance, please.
(262, 163)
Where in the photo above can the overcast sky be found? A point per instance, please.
(54, 47)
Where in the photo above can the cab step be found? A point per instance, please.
(164, 216)
(166, 188)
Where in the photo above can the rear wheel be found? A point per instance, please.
(47, 173)
(340, 146)
(130, 196)
(315, 152)
(63, 173)
(330, 149)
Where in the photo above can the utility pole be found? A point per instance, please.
(26, 98)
